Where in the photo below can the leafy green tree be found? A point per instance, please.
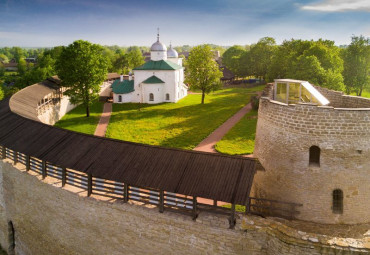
(357, 65)
(202, 71)
(4, 58)
(260, 56)
(82, 69)
(318, 62)
(231, 59)
(2, 71)
(121, 64)
(18, 53)
(1, 92)
(135, 57)
(22, 66)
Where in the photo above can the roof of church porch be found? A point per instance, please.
(123, 87)
(153, 80)
(159, 65)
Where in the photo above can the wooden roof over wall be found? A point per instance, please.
(208, 175)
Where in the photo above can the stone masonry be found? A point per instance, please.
(284, 136)
(49, 219)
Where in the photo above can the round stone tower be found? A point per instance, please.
(318, 156)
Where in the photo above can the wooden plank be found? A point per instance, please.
(44, 174)
(125, 192)
(28, 159)
(89, 185)
(64, 176)
(232, 219)
(195, 213)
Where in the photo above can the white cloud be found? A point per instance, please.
(339, 6)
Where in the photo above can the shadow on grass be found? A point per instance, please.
(181, 125)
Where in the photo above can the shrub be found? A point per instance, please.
(255, 102)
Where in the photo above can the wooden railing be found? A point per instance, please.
(164, 200)
(268, 207)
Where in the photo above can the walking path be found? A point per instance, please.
(208, 144)
(104, 120)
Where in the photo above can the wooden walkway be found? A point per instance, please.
(101, 129)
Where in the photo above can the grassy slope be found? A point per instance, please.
(240, 139)
(76, 119)
(181, 125)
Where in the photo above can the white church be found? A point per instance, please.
(159, 80)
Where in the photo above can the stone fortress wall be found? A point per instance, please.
(48, 219)
(341, 130)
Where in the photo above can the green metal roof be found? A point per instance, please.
(159, 65)
(123, 87)
(153, 80)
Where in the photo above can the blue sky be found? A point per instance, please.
(44, 23)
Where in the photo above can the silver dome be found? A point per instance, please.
(158, 46)
(172, 53)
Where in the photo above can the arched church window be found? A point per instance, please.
(167, 96)
(337, 201)
(314, 156)
(119, 98)
(151, 97)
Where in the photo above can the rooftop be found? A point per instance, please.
(159, 65)
(153, 80)
(123, 87)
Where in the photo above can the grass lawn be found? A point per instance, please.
(181, 125)
(240, 139)
(76, 119)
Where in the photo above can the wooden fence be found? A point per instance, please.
(164, 200)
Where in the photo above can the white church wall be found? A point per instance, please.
(126, 98)
(177, 61)
(158, 55)
(156, 90)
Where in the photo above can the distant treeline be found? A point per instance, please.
(343, 68)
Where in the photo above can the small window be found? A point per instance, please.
(119, 98)
(151, 97)
(167, 96)
(337, 201)
(314, 156)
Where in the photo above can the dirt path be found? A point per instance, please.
(208, 144)
(104, 120)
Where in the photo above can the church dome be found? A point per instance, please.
(158, 46)
(172, 53)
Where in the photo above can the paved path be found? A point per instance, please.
(207, 145)
(104, 120)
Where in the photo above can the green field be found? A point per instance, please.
(240, 139)
(76, 119)
(181, 125)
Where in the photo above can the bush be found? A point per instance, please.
(255, 102)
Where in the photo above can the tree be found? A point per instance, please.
(260, 56)
(22, 66)
(135, 57)
(202, 71)
(357, 65)
(121, 64)
(231, 59)
(82, 69)
(318, 62)
(4, 58)
(1, 93)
